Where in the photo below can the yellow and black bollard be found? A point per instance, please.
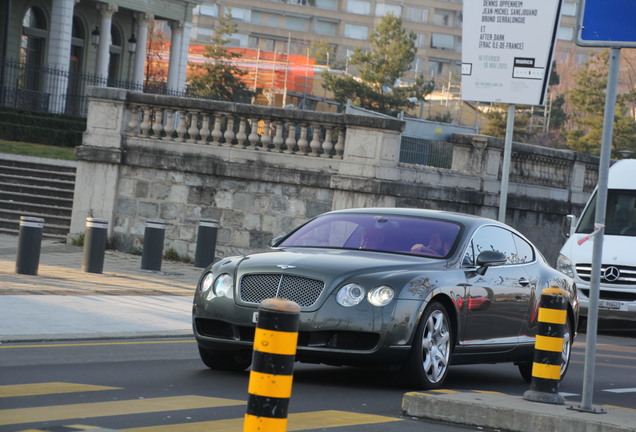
(548, 348)
(272, 366)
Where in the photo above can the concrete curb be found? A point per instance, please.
(78, 337)
(513, 413)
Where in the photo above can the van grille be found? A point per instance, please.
(626, 274)
(254, 288)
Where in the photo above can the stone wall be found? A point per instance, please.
(261, 171)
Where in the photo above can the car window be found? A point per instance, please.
(387, 233)
(525, 252)
(492, 238)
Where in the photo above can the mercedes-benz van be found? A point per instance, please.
(617, 294)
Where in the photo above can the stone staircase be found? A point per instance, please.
(38, 187)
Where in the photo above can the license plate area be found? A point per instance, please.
(609, 304)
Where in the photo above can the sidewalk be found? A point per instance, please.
(63, 302)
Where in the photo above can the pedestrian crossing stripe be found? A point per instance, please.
(40, 389)
(296, 422)
(112, 408)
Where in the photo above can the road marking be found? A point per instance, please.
(103, 409)
(95, 344)
(295, 422)
(621, 390)
(39, 389)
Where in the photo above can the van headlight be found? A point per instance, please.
(564, 265)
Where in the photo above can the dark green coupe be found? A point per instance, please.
(415, 290)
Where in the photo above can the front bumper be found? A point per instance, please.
(331, 335)
(608, 308)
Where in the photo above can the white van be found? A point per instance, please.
(617, 296)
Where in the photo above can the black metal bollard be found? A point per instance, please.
(271, 376)
(94, 245)
(548, 349)
(29, 245)
(152, 252)
(206, 242)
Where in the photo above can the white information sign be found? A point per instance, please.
(507, 49)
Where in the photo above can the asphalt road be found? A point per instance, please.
(158, 385)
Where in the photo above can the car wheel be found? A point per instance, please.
(525, 368)
(225, 361)
(428, 361)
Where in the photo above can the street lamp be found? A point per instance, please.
(132, 44)
(95, 37)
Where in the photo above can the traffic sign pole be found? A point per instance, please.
(597, 251)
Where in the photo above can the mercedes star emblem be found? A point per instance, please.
(611, 274)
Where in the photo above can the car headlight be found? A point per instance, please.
(223, 285)
(381, 296)
(206, 282)
(350, 295)
(564, 265)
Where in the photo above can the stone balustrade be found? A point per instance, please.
(241, 126)
(261, 171)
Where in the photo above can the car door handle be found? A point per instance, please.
(524, 282)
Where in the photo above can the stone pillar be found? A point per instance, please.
(175, 55)
(142, 20)
(59, 53)
(99, 157)
(106, 11)
(183, 58)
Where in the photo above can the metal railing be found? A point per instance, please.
(46, 89)
(421, 151)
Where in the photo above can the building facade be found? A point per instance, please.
(295, 25)
(52, 49)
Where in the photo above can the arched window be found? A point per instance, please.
(32, 44)
(114, 65)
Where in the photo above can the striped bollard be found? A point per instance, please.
(548, 348)
(272, 366)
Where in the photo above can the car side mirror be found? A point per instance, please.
(489, 259)
(569, 223)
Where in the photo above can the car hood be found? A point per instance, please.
(332, 264)
(617, 250)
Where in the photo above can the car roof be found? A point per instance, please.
(465, 219)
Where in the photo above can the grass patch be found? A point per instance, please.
(39, 150)
(172, 255)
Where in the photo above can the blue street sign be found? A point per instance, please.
(607, 23)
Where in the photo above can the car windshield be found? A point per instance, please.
(385, 233)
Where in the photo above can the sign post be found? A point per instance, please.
(602, 23)
(506, 58)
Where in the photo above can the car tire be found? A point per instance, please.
(237, 362)
(525, 368)
(427, 364)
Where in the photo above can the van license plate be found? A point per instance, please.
(609, 304)
(255, 317)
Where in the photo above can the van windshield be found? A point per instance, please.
(620, 218)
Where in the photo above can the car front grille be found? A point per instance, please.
(612, 295)
(254, 288)
(331, 339)
(626, 274)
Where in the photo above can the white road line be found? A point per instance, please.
(623, 390)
